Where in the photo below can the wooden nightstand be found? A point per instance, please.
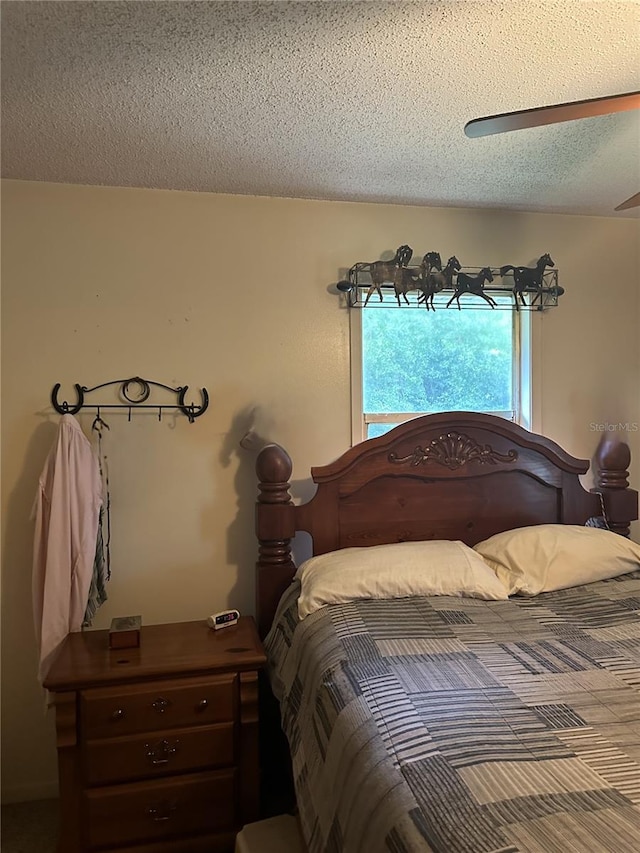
(158, 745)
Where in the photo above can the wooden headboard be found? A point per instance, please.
(454, 475)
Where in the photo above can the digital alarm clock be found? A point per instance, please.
(223, 619)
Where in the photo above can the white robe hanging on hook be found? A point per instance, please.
(66, 510)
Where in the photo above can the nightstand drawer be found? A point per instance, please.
(123, 759)
(114, 711)
(145, 811)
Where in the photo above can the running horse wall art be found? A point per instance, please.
(527, 279)
(429, 278)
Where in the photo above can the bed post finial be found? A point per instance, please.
(273, 467)
(612, 459)
(275, 527)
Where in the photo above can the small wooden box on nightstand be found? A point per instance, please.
(158, 745)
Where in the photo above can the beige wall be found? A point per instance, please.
(231, 293)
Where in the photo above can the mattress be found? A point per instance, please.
(465, 726)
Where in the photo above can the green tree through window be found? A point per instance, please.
(414, 361)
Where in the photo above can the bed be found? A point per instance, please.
(456, 722)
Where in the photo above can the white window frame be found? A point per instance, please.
(523, 346)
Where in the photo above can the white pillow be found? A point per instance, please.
(436, 567)
(544, 557)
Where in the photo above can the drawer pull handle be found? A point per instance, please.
(160, 705)
(118, 714)
(163, 811)
(160, 752)
(203, 704)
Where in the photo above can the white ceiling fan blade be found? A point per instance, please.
(538, 116)
(634, 201)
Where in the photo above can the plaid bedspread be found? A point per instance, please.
(464, 726)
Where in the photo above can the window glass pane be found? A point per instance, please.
(374, 430)
(416, 360)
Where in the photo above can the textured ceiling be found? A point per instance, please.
(361, 101)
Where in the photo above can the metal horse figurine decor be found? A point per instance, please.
(527, 278)
(434, 282)
(429, 278)
(473, 284)
(384, 271)
(413, 279)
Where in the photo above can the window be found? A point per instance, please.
(413, 361)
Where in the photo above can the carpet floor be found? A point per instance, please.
(29, 827)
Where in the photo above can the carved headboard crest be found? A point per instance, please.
(453, 449)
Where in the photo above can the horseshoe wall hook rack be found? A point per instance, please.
(135, 393)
